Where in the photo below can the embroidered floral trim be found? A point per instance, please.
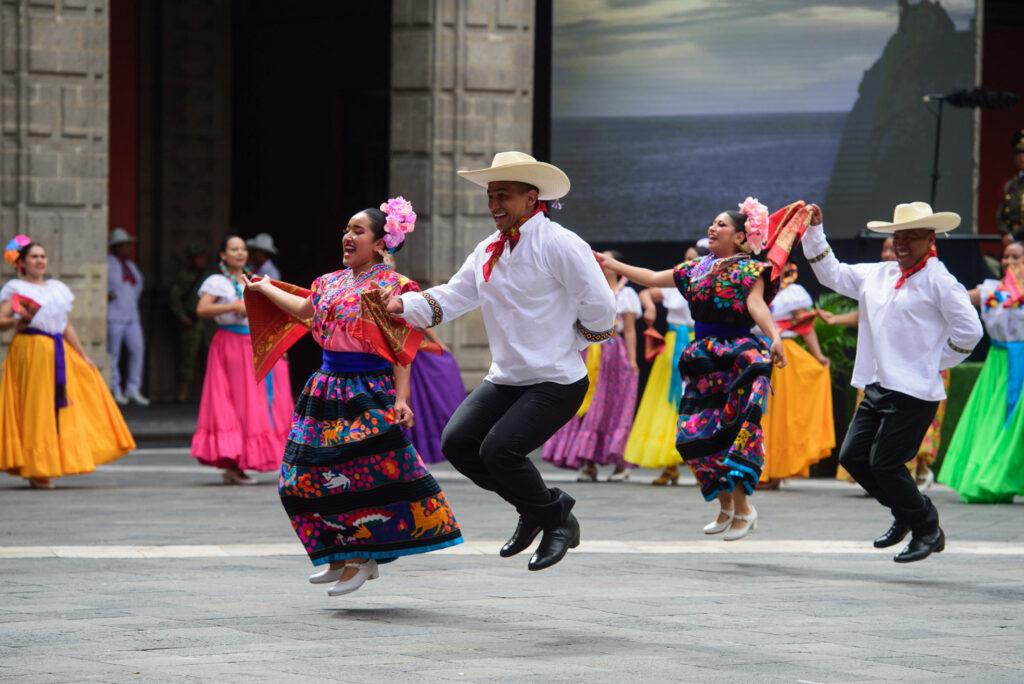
(594, 336)
(949, 343)
(828, 250)
(438, 314)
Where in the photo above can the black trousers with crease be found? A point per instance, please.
(491, 434)
(885, 433)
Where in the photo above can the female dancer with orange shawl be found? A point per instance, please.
(353, 486)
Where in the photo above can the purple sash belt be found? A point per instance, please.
(60, 393)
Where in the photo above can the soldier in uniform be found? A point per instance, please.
(194, 334)
(1009, 218)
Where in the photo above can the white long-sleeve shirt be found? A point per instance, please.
(905, 336)
(124, 306)
(531, 305)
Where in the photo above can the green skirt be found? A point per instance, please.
(985, 459)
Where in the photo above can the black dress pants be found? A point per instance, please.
(885, 433)
(492, 432)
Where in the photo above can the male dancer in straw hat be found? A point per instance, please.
(543, 298)
(915, 320)
(124, 325)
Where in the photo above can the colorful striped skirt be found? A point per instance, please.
(351, 483)
(719, 430)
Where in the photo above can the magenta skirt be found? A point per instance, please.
(241, 422)
(600, 435)
(435, 391)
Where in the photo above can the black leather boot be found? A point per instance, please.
(894, 536)
(920, 548)
(555, 543)
(526, 531)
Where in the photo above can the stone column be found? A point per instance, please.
(461, 90)
(53, 151)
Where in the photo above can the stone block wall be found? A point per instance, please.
(461, 90)
(54, 62)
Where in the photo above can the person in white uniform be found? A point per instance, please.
(124, 325)
(261, 248)
(544, 298)
(915, 320)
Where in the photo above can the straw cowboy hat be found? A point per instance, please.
(263, 242)
(916, 215)
(119, 236)
(550, 181)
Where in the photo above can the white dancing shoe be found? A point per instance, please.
(619, 476)
(715, 527)
(741, 532)
(366, 571)
(927, 482)
(326, 575)
(120, 399)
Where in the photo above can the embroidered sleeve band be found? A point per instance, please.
(435, 308)
(592, 336)
(828, 250)
(955, 348)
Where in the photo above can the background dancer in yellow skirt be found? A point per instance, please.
(652, 441)
(798, 426)
(57, 416)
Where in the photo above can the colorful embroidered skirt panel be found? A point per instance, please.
(719, 431)
(351, 483)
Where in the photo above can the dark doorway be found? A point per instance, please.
(311, 129)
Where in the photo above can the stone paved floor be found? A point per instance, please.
(804, 599)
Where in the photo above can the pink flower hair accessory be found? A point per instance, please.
(757, 223)
(401, 219)
(14, 248)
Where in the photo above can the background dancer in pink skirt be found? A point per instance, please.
(243, 424)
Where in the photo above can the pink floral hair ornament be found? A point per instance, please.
(401, 219)
(757, 223)
(14, 248)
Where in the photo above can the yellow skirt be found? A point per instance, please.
(92, 430)
(797, 424)
(652, 441)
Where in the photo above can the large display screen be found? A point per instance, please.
(665, 113)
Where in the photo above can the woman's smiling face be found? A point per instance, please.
(359, 246)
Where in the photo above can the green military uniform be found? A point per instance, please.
(1010, 217)
(193, 339)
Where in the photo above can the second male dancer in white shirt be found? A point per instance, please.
(915, 320)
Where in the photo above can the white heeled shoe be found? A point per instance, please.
(366, 571)
(715, 527)
(741, 532)
(326, 575)
(619, 476)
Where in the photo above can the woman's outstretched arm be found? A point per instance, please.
(640, 276)
(300, 307)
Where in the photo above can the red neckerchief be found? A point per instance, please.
(915, 268)
(511, 238)
(126, 273)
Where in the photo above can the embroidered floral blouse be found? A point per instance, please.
(335, 298)
(721, 296)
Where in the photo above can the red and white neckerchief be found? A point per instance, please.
(126, 273)
(509, 237)
(915, 268)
